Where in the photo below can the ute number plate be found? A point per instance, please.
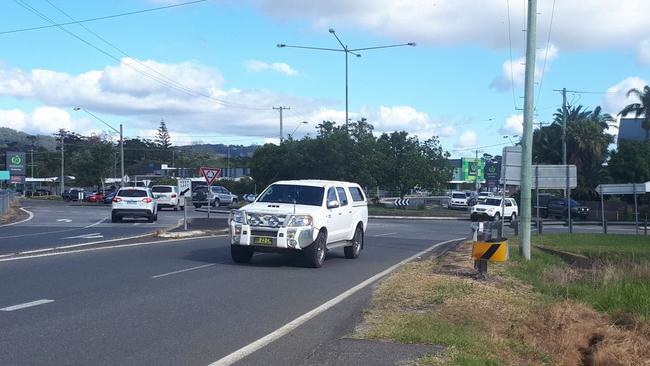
(263, 241)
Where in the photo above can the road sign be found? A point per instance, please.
(630, 188)
(4, 175)
(146, 182)
(511, 165)
(17, 179)
(210, 174)
(399, 202)
(184, 184)
(492, 172)
(554, 176)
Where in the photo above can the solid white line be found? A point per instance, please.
(103, 248)
(379, 235)
(84, 236)
(27, 305)
(31, 216)
(183, 270)
(95, 224)
(287, 328)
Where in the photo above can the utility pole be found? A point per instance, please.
(62, 137)
(31, 151)
(477, 168)
(281, 108)
(122, 155)
(564, 121)
(527, 139)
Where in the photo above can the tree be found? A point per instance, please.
(642, 108)
(629, 163)
(163, 140)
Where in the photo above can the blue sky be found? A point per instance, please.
(213, 72)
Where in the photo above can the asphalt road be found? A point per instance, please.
(57, 223)
(186, 303)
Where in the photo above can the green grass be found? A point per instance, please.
(598, 246)
(427, 212)
(619, 281)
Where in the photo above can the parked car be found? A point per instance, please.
(558, 209)
(95, 197)
(134, 202)
(218, 196)
(457, 200)
(482, 196)
(306, 216)
(544, 199)
(74, 194)
(108, 198)
(492, 210)
(167, 196)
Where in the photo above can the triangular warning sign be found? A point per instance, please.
(210, 174)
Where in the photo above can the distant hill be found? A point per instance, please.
(12, 139)
(222, 150)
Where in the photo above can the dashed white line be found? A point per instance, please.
(289, 327)
(27, 305)
(183, 270)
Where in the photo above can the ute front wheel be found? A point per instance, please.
(241, 254)
(315, 253)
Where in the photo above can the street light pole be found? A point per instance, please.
(120, 131)
(296, 129)
(344, 48)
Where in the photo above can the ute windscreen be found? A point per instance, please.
(300, 195)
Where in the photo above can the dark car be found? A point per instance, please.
(108, 198)
(74, 194)
(558, 209)
(544, 199)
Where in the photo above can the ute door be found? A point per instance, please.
(345, 214)
(334, 217)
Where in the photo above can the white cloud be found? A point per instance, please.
(601, 25)
(281, 67)
(615, 98)
(643, 52)
(466, 140)
(543, 62)
(44, 120)
(513, 125)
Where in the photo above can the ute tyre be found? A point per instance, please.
(353, 251)
(315, 253)
(241, 254)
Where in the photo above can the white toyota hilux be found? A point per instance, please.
(309, 216)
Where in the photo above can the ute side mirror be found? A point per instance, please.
(332, 204)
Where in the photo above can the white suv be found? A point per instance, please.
(491, 209)
(134, 202)
(167, 196)
(457, 200)
(309, 216)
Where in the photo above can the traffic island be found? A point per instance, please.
(505, 320)
(13, 215)
(196, 227)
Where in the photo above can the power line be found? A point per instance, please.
(512, 74)
(103, 17)
(170, 84)
(548, 43)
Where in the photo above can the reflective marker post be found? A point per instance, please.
(184, 208)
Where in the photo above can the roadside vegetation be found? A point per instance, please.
(542, 312)
(419, 212)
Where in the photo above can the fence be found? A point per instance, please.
(6, 198)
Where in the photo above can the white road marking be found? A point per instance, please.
(379, 235)
(63, 220)
(86, 236)
(289, 327)
(183, 270)
(95, 224)
(27, 305)
(103, 248)
(31, 216)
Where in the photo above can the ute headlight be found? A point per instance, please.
(238, 216)
(300, 220)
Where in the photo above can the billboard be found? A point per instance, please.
(15, 162)
(492, 172)
(472, 169)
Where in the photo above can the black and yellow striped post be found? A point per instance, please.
(495, 250)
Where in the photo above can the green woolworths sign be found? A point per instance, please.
(472, 169)
(15, 163)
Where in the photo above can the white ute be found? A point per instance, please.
(308, 216)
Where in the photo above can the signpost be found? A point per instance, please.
(622, 189)
(184, 190)
(15, 163)
(210, 175)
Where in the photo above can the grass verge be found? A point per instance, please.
(523, 315)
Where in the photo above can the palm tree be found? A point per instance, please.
(639, 109)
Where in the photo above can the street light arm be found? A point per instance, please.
(310, 48)
(412, 44)
(338, 39)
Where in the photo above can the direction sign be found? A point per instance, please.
(4, 175)
(511, 165)
(554, 176)
(210, 174)
(183, 185)
(630, 188)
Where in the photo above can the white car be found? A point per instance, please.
(482, 196)
(134, 202)
(491, 209)
(308, 216)
(457, 200)
(167, 196)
